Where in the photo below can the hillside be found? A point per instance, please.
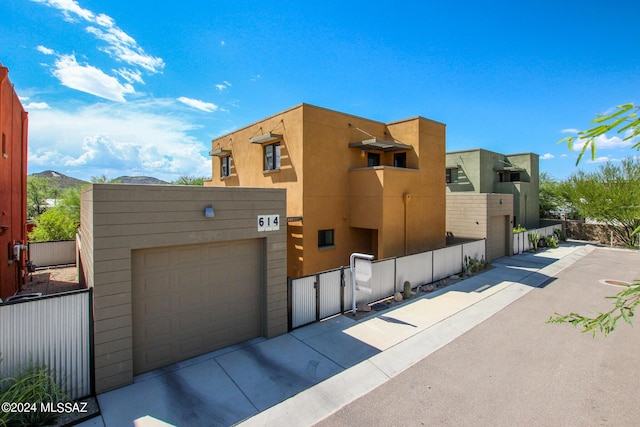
(63, 181)
(139, 180)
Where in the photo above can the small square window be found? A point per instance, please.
(225, 166)
(400, 160)
(373, 159)
(325, 238)
(452, 175)
(272, 157)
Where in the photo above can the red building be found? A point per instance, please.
(13, 188)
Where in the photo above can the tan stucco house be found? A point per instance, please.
(353, 184)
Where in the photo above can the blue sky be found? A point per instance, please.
(141, 87)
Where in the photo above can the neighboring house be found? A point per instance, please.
(484, 171)
(353, 184)
(13, 187)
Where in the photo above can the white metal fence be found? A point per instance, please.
(325, 294)
(51, 331)
(48, 254)
(521, 240)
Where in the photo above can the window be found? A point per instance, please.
(272, 157)
(325, 239)
(510, 176)
(4, 146)
(452, 175)
(373, 159)
(225, 166)
(400, 160)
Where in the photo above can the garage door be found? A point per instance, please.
(190, 300)
(496, 238)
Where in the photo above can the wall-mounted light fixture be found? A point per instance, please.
(208, 212)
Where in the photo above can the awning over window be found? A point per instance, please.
(379, 144)
(220, 153)
(510, 169)
(267, 137)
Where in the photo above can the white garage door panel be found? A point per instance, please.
(191, 300)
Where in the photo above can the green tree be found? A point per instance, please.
(624, 120)
(190, 180)
(103, 179)
(69, 203)
(53, 225)
(611, 195)
(551, 200)
(38, 190)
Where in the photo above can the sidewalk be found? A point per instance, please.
(304, 376)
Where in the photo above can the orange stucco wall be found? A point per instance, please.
(330, 186)
(13, 185)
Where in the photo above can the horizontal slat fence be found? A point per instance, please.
(49, 254)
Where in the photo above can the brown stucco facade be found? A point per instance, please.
(13, 188)
(119, 221)
(386, 200)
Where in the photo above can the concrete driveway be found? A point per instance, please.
(515, 370)
(305, 376)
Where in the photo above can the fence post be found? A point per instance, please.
(317, 286)
(92, 353)
(342, 286)
(289, 304)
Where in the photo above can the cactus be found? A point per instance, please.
(407, 290)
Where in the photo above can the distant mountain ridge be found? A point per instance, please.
(138, 180)
(63, 181)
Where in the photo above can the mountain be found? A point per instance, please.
(139, 180)
(63, 181)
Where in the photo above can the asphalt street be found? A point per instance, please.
(513, 369)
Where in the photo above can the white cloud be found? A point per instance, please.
(223, 86)
(570, 130)
(200, 105)
(119, 45)
(222, 43)
(89, 79)
(37, 106)
(70, 8)
(603, 142)
(45, 50)
(137, 138)
(132, 76)
(547, 156)
(602, 159)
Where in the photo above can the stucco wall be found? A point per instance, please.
(13, 184)
(469, 215)
(477, 174)
(117, 219)
(330, 186)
